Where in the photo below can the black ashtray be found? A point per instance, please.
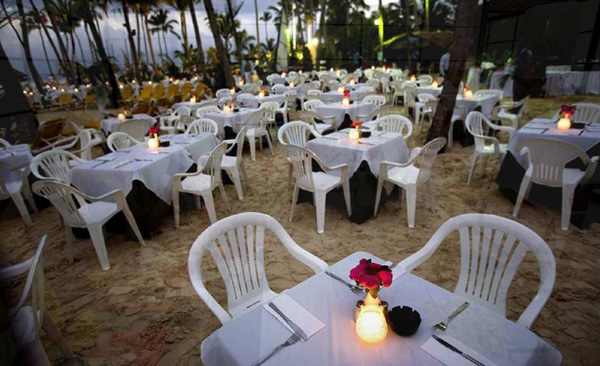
(129, 116)
(404, 320)
(365, 133)
(236, 109)
(165, 143)
(578, 125)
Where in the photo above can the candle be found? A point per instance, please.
(352, 81)
(121, 117)
(371, 325)
(345, 102)
(226, 108)
(193, 99)
(153, 142)
(241, 81)
(292, 83)
(232, 90)
(564, 123)
(413, 78)
(434, 84)
(261, 93)
(338, 72)
(354, 134)
(468, 94)
(373, 67)
(341, 89)
(283, 74)
(121, 86)
(331, 69)
(300, 72)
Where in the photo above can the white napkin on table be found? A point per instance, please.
(448, 356)
(296, 313)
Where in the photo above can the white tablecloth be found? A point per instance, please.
(231, 119)
(507, 89)
(339, 111)
(193, 106)
(486, 103)
(254, 101)
(109, 125)
(429, 90)
(385, 147)
(572, 82)
(18, 156)
(244, 340)
(156, 175)
(584, 140)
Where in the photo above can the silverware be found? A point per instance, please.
(545, 129)
(295, 338)
(444, 325)
(366, 143)
(100, 163)
(138, 159)
(580, 133)
(293, 325)
(453, 348)
(353, 288)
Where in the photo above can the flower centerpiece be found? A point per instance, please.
(567, 111)
(261, 93)
(153, 142)
(355, 134)
(371, 322)
(346, 99)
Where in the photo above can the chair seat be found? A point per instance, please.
(22, 326)
(98, 211)
(404, 175)
(489, 149)
(14, 187)
(572, 176)
(505, 115)
(325, 181)
(254, 133)
(198, 183)
(228, 162)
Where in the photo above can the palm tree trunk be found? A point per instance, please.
(154, 65)
(183, 24)
(90, 44)
(66, 64)
(201, 61)
(236, 39)
(160, 48)
(322, 31)
(166, 44)
(257, 23)
(80, 48)
(134, 57)
(266, 34)
(46, 53)
(34, 73)
(223, 57)
(50, 40)
(137, 27)
(145, 30)
(465, 18)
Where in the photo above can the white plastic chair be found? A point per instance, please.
(424, 108)
(290, 102)
(200, 112)
(478, 125)
(135, 128)
(15, 189)
(503, 112)
(410, 175)
(396, 123)
(257, 129)
(167, 123)
(380, 112)
(377, 100)
(279, 89)
(233, 164)
(222, 93)
(458, 114)
(236, 244)
(120, 140)
(319, 183)
(584, 112)
(312, 95)
(4, 143)
(311, 105)
(410, 97)
(273, 107)
(54, 165)
(398, 92)
(311, 117)
(202, 183)
(295, 133)
(28, 319)
(202, 125)
(425, 80)
(492, 249)
(80, 210)
(547, 159)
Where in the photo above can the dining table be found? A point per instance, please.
(196, 105)
(254, 101)
(513, 166)
(109, 125)
(345, 114)
(18, 156)
(325, 307)
(144, 174)
(231, 121)
(363, 157)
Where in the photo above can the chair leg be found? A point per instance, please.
(244, 174)
(567, 202)
(18, 200)
(430, 200)
(224, 196)
(252, 143)
(319, 200)
(209, 202)
(411, 202)
(346, 188)
(53, 333)
(473, 163)
(235, 177)
(133, 224)
(378, 195)
(97, 236)
(294, 199)
(270, 144)
(176, 207)
(69, 240)
(290, 174)
(485, 159)
(451, 134)
(523, 193)
(29, 196)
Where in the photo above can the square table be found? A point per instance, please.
(429, 90)
(194, 106)
(254, 100)
(340, 111)
(486, 103)
(109, 125)
(230, 119)
(245, 339)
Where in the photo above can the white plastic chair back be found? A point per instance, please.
(120, 140)
(316, 84)
(222, 93)
(366, 90)
(200, 112)
(225, 100)
(236, 244)
(259, 121)
(385, 85)
(134, 128)
(425, 97)
(396, 123)
(202, 125)
(425, 158)
(278, 89)
(7, 170)
(183, 111)
(64, 198)
(548, 158)
(34, 286)
(311, 105)
(240, 138)
(476, 127)
(296, 133)
(272, 106)
(212, 164)
(301, 159)
(586, 112)
(313, 94)
(410, 95)
(492, 249)
(290, 100)
(378, 100)
(256, 86)
(4, 143)
(333, 85)
(54, 165)
(425, 80)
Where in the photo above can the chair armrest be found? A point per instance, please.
(591, 168)
(15, 270)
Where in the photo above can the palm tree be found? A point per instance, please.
(25, 42)
(160, 19)
(201, 62)
(181, 6)
(68, 68)
(233, 13)
(134, 54)
(225, 67)
(265, 18)
(34, 21)
(257, 24)
(145, 7)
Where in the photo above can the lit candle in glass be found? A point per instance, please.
(352, 81)
(292, 83)
(413, 78)
(564, 123)
(371, 325)
(434, 84)
(261, 93)
(345, 102)
(193, 99)
(373, 67)
(341, 89)
(153, 143)
(226, 108)
(241, 81)
(232, 90)
(121, 117)
(283, 74)
(468, 94)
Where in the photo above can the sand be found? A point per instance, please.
(143, 311)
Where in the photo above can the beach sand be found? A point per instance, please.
(143, 311)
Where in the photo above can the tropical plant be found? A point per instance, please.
(225, 69)
(265, 18)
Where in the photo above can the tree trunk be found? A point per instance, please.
(183, 24)
(154, 65)
(257, 23)
(80, 48)
(465, 18)
(139, 42)
(236, 39)
(67, 65)
(46, 53)
(34, 73)
(134, 57)
(50, 40)
(201, 61)
(223, 57)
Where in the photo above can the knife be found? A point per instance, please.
(453, 348)
(354, 288)
(293, 325)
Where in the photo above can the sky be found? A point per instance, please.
(115, 36)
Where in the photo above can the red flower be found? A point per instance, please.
(357, 123)
(568, 110)
(153, 131)
(347, 94)
(371, 275)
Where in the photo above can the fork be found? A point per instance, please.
(353, 288)
(444, 325)
(292, 340)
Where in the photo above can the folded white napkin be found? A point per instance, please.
(448, 356)
(296, 313)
